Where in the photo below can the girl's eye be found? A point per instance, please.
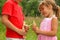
(41, 9)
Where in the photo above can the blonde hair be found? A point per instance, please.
(55, 8)
(50, 0)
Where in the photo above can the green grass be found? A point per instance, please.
(2, 32)
(30, 35)
(58, 34)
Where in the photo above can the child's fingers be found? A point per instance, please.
(34, 23)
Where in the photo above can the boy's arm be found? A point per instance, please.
(11, 26)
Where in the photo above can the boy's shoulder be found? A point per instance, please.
(8, 3)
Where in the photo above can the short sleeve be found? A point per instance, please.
(7, 9)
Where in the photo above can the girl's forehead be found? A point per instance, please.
(41, 6)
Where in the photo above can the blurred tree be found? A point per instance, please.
(1, 4)
(30, 7)
(58, 2)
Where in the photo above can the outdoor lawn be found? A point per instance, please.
(30, 35)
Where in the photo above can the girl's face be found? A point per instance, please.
(45, 11)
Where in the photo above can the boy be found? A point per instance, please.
(12, 17)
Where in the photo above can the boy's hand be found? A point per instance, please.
(21, 32)
(26, 27)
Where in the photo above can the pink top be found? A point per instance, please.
(46, 26)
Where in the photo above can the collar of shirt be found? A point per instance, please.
(12, 1)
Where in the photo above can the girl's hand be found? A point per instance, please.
(34, 24)
(35, 28)
(38, 30)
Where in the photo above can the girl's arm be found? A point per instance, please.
(11, 26)
(53, 29)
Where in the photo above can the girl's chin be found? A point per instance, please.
(45, 15)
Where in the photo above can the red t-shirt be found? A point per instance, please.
(14, 11)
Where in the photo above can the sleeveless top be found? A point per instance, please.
(46, 26)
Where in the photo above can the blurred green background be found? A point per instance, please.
(30, 9)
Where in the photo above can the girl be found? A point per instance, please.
(49, 25)
(13, 19)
